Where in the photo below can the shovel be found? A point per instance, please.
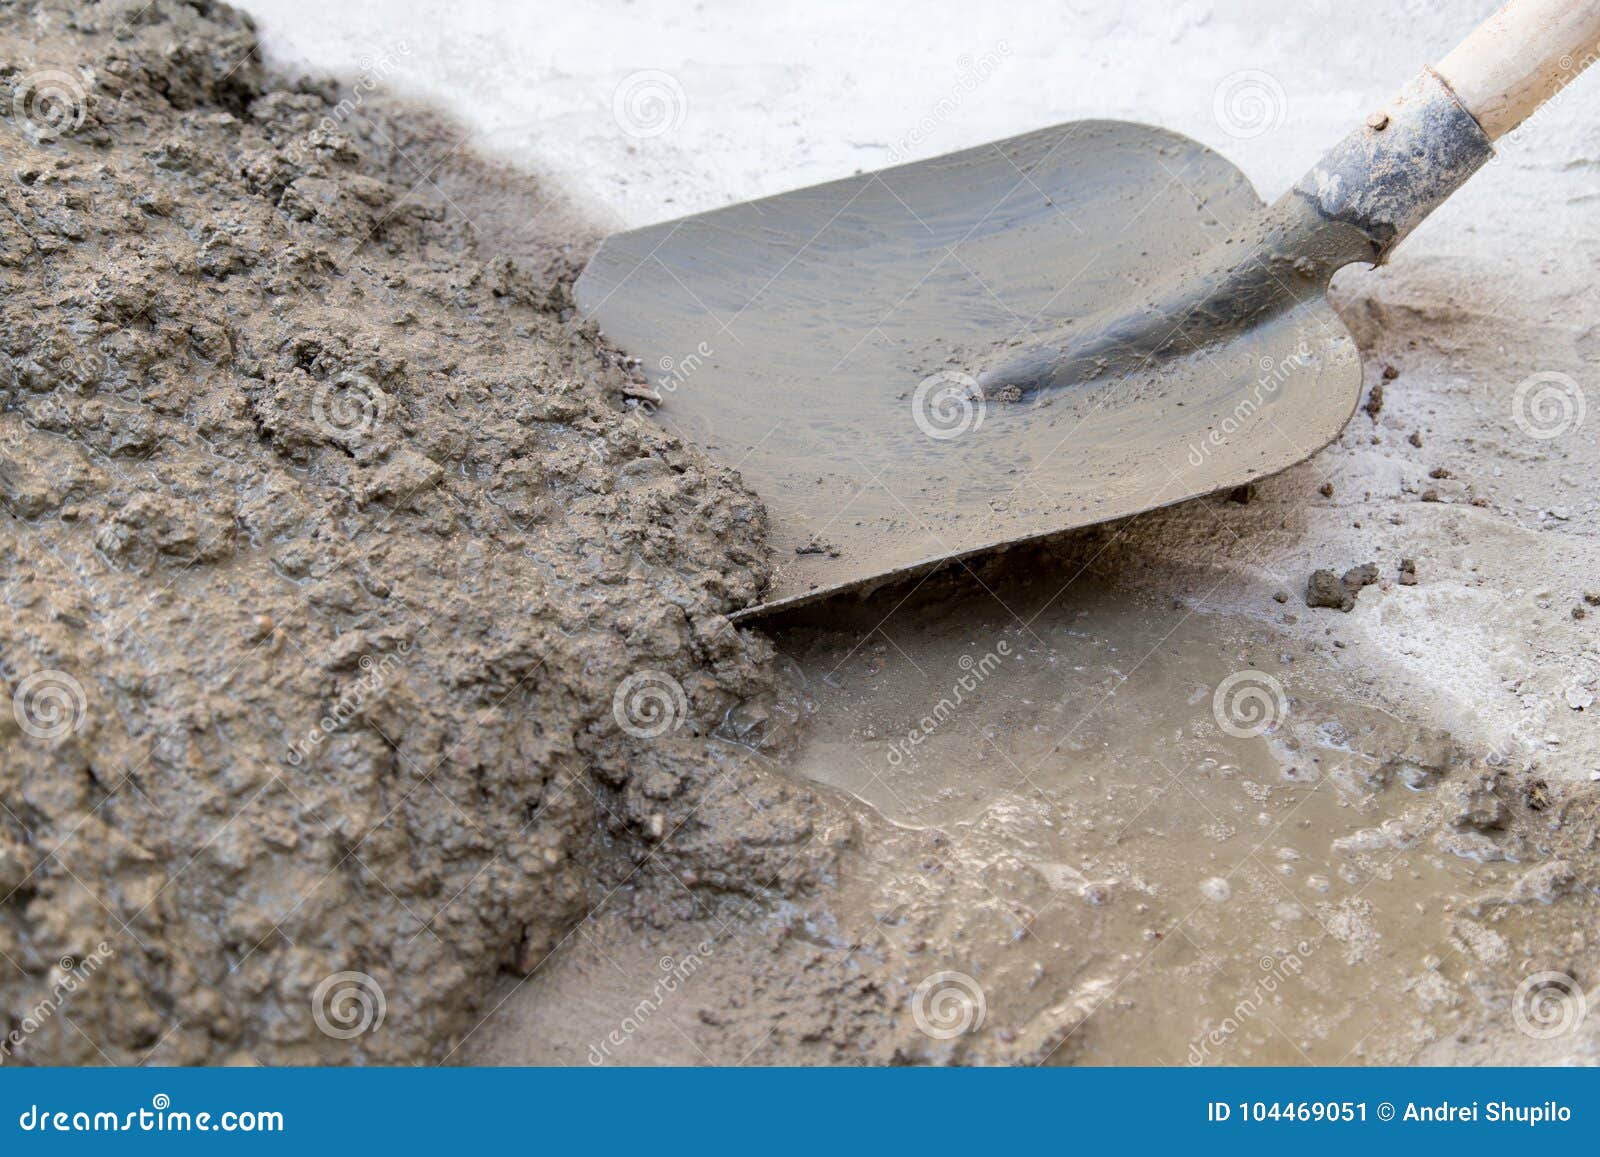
(1070, 326)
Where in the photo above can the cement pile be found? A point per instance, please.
(355, 638)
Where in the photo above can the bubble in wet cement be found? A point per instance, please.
(1216, 889)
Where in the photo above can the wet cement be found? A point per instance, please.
(325, 546)
(1110, 830)
(1196, 812)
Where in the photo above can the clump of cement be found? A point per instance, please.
(326, 545)
(1326, 589)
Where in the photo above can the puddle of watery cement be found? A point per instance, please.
(1115, 864)
(1075, 863)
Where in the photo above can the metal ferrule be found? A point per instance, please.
(1410, 156)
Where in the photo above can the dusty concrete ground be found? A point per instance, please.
(1016, 890)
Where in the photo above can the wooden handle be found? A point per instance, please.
(1520, 57)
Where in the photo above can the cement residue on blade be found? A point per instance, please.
(830, 343)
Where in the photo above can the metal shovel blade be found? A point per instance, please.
(825, 343)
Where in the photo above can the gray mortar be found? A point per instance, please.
(281, 442)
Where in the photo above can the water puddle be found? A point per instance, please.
(1149, 835)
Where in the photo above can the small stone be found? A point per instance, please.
(1390, 373)
(1280, 596)
(1378, 121)
(1325, 590)
(1430, 496)
(1326, 490)
(1408, 572)
(1360, 576)
(1374, 405)
(1415, 438)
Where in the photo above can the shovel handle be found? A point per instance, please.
(1355, 205)
(1520, 57)
(1384, 179)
